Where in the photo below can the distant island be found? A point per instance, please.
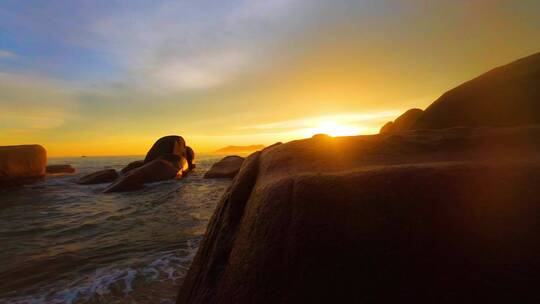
(239, 149)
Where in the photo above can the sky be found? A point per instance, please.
(111, 77)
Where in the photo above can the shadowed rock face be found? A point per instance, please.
(190, 156)
(131, 166)
(508, 95)
(429, 216)
(99, 177)
(228, 167)
(21, 164)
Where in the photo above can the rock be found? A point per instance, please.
(131, 166)
(59, 169)
(388, 128)
(165, 167)
(228, 167)
(505, 96)
(425, 216)
(172, 144)
(190, 156)
(99, 177)
(404, 122)
(21, 164)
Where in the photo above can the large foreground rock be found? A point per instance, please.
(99, 177)
(228, 167)
(21, 164)
(433, 216)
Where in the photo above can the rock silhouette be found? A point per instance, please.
(190, 156)
(21, 164)
(404, 122)
(59, 169)
(99, 177)
(172, 144)
(227, 167)
(505, 96)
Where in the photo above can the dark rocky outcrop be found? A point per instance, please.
(168, 158)
(228, 167)
(21, 164)
(172, 144)
(60, 169)
(404, 122)
(99, 177)
(507, 95)
(427, 216)
(131, 166)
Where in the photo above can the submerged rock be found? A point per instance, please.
(21, 164)
(427, 216)
(227, 167)
(59, 169)
(99, 177)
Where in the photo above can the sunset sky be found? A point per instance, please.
(110, 77)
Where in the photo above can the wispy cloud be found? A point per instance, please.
(6, 54)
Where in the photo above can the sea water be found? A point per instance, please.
(61, 242)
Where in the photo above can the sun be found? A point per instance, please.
(333, 128)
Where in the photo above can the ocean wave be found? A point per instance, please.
(169, 267)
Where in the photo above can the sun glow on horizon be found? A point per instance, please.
(333, 128)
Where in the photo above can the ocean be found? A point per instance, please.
(67, 243)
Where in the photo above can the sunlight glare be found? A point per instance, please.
(333, 128)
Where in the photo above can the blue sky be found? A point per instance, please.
(221, 72)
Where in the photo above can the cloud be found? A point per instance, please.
(6, 54)
(28, 104)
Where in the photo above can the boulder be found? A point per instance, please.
(404, 122)
(190, 156)
(228, 167)
(505, 96)
(388, 128)
(60, 169)
(172, 144)
(425, 216)
(21, 164)
(165, 167)
(99, 177)
(131, 166)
